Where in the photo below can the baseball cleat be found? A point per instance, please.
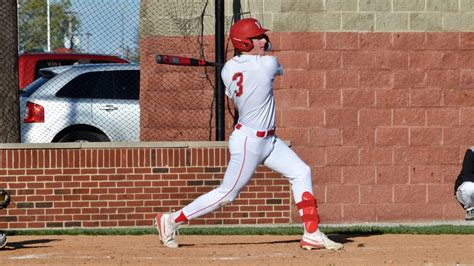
(311, 241)
(470, 215)
(166, 230)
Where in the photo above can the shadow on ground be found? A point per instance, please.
(341, 238)
(36, 243)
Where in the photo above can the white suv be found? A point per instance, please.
(96, 102)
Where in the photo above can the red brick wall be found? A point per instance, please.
(383, 119)
(126, 186)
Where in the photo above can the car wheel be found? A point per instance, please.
(84, 136)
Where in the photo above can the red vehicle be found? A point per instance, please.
(29, 64)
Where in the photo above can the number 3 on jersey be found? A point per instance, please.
(240, 79)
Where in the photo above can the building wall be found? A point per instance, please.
(385, 116)
(376, 97)
(363, 15)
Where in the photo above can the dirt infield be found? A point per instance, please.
(238, 250)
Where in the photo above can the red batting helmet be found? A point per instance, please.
(242, 31)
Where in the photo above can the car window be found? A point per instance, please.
(30, 89)
(86, 86)
(104, 85)
(127, 84)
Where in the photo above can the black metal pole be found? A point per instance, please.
(236, 14)
(236, 10)
(220, 57)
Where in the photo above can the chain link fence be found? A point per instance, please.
(87, 70)
(177, 102)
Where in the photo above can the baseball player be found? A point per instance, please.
(248, 78)
(4, 203)
(464, 185)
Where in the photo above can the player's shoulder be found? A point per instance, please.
(229, 68)
(271, 64)
(268, 60)
(228, 64)
(234, 61)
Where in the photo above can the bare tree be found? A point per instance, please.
(9, 106)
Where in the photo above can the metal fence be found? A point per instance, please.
(75, 85)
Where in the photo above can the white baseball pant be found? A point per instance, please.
(465, 195)
(247, 152)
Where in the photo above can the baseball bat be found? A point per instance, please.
(181, 60)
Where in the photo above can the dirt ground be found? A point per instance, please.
(238, 250)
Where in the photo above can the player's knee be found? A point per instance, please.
(302, 173)
(224, 202)
(305, 171)
(468, 188)
(228, 196)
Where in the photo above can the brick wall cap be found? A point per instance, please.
(118, 145)
(89, 145)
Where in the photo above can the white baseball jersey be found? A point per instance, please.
(249, 83)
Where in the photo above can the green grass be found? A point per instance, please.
(287, 230)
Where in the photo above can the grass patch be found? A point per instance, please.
(286, 230)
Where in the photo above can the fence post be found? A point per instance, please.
(220, 57)
(236, 6)
(9, 107)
